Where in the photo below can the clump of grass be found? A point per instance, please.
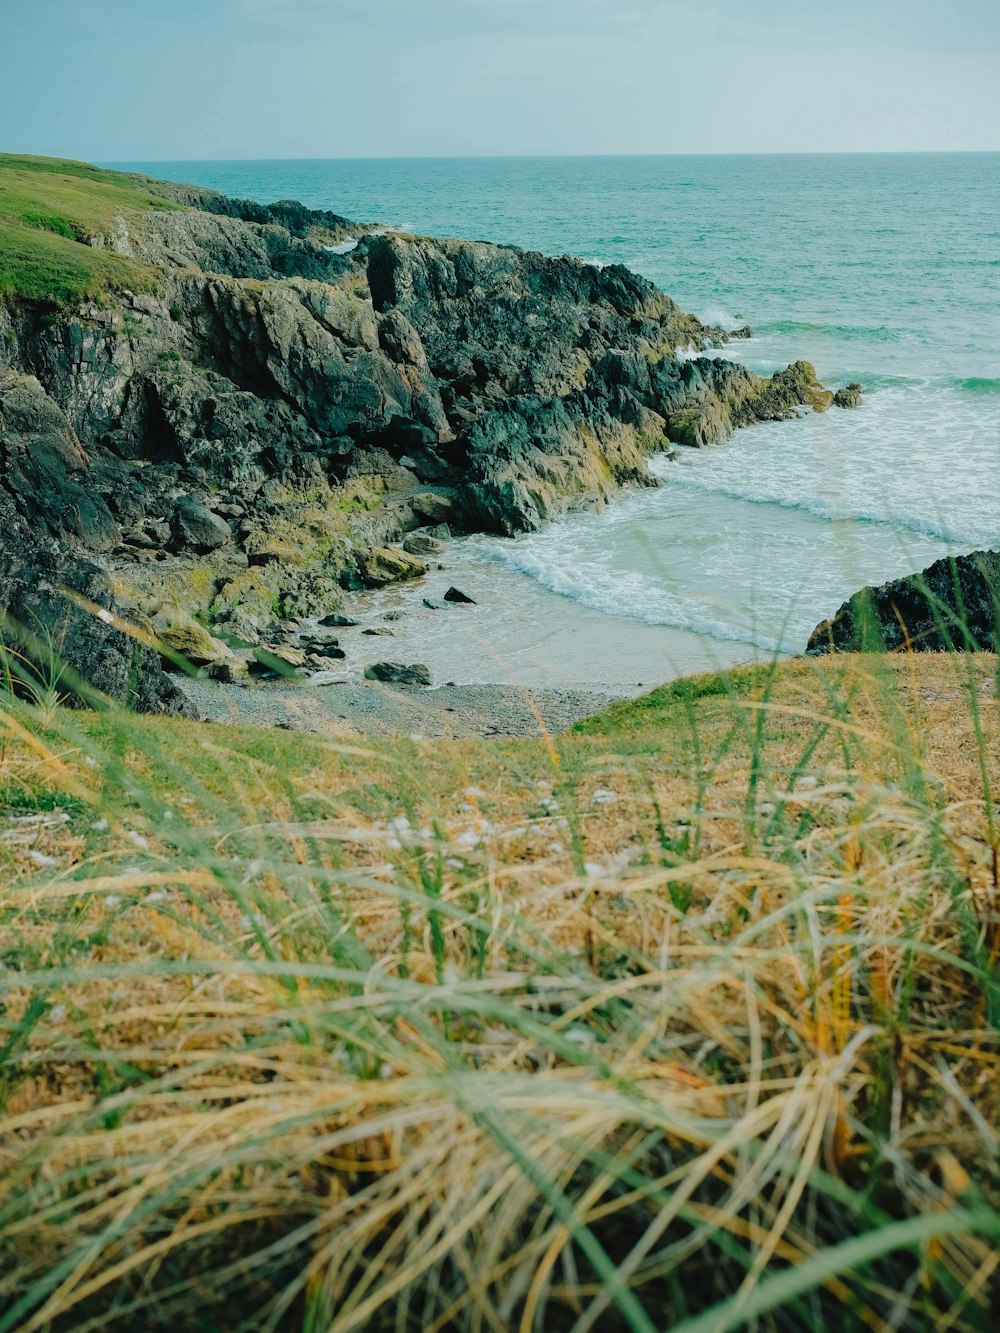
(50, 211)
(689, 1021)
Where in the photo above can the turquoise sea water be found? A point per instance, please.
(884, 269)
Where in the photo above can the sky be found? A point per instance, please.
(148, 80)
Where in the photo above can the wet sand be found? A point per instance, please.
(518, 660)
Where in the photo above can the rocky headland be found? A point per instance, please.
(218, 418)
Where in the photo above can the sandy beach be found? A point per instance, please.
(516, 660)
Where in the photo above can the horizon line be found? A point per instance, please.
(501, 157)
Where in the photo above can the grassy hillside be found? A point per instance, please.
(686, 1020)
(49, 211)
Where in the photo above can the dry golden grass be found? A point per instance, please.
(688, 1020)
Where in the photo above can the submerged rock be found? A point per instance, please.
(456, 595)
(952, 605)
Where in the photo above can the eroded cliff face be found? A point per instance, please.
(228, 446)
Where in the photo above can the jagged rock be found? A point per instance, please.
(44, 466)
(337, 621)
(848, 396)
(58, 612)
(383, 565)
(422, 543)
(376, 631)
(954, 604)
(456, 595)
(396, 673)
(435, 604)
(330, 402)
(195, 528)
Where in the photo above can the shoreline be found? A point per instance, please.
(517, 660)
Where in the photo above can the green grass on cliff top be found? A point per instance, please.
(50, 209)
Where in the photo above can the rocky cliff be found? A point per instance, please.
(222, 429)
(952, 606)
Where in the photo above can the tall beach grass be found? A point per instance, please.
(687, 1019)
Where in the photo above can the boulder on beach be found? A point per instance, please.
(422, 543)
(398, 673)
(383, 565)
(192, 641)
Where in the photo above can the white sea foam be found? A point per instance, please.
(344, 248)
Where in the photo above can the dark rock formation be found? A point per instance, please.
(954, 604)
(396, 673)
(250, 437)
(457, 595)
(848, 396)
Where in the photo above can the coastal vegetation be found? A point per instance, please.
(50, 212)
(686, 1019)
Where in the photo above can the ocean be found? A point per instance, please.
(883, 269)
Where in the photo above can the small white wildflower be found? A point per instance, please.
(90, 761)
(99, 825)
(766, 808)
(157, 896)
(455, 863)
(393, 844)
(168, 814)
(468, 838)
(594, 870)
(603, 797)
(57, 1014)
(137, 840)
(385, 1070)
(807, 784)
(40, 859)
(474, 793)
